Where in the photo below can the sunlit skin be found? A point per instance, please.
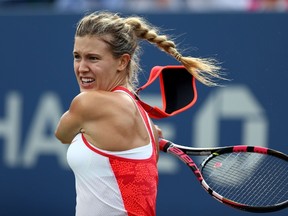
(95, 67)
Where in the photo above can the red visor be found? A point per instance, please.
(178, 91)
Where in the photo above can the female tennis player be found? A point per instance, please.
(114, 144)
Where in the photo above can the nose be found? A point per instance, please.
(83, 67)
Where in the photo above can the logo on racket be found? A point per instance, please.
(217, 165)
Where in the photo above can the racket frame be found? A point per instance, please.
(183, 152)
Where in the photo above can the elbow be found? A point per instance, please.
(61, 138)
(64, 141)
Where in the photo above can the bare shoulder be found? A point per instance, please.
(93, 104)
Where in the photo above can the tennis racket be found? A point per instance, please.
(250, 178)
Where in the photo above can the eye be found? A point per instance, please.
(93, 58)
(76, 56)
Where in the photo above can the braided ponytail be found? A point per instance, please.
(205, 70)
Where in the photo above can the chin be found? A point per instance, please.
(87, 88)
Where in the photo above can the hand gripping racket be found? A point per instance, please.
(250, 178)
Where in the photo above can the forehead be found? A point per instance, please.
(89, 44)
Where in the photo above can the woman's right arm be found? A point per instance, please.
(70, 123)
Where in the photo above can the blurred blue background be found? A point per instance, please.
(37, 84)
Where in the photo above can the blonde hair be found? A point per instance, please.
(124, 39)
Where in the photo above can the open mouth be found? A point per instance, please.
(87, 81)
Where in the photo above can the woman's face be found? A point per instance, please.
(95, 67)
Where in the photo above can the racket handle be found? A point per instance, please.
(164, 144)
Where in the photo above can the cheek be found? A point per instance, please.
(75, 66)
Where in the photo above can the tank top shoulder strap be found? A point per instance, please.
(121, 88)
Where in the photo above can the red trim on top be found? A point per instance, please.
(125, 90)
(91, 147)
(98, 151)
(148, 126)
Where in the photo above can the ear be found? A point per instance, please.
(123, 62)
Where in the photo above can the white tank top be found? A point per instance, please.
(114, 183)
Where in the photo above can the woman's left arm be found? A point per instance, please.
(157, 135)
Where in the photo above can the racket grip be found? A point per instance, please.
(164, 144)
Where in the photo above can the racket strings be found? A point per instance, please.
(262, 178)
(248, 178)
(259, 182)
(271, 193)
(231, 179)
